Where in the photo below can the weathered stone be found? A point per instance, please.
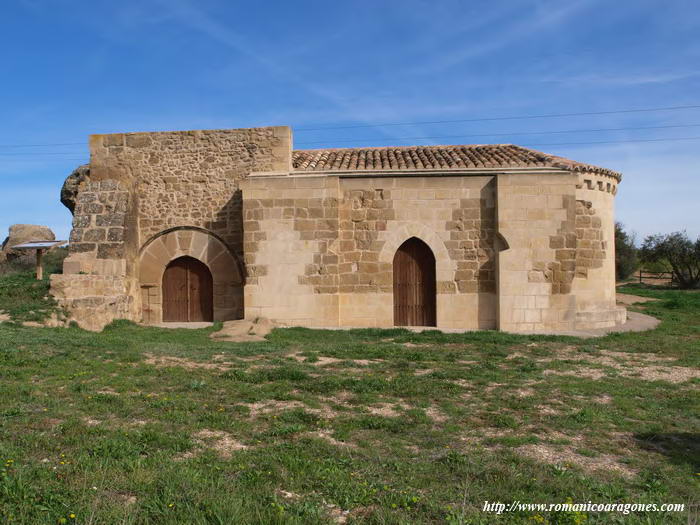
(71, 186)
(20, 234)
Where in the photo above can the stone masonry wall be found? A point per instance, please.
(191, 178)
(578, 245)
(99, 220)
(559, 271)
(337, 236)
(144, 185)
(594, 283)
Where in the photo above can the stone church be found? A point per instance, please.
(229, 224)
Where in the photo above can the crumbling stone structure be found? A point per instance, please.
(227, 224)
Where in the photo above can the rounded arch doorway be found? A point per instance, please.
(414, 285)
(188, 291)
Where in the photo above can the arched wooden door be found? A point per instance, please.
(188, 291)
(414, 284)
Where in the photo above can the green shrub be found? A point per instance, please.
(681, 253)
(626, 260)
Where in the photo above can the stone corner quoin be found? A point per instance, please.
(510, 238)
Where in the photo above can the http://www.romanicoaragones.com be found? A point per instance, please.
(498, 507)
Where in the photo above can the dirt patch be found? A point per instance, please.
(437, 415)
(218, 440)
(670, 374)
(628, 299)
(125, 498)
(591, 373)
(548, 410)
(91, 422)
(387, 409)
(524, 392)
(340, 397)
(619, 360)
(563, 455)
(648, 367)
(138, 422)
(336, 514)
(164, 361)
(602, 399)
(326, 436)
(270, 407)
(4, 317)
(484, 434)
(50, 422)
(243, 330)
(325, 361)
(107, 391)
(292, 496)
(424, 371)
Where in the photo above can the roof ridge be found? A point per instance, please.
(406, 147)
(461, 156)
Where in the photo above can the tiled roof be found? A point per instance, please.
(434, 157)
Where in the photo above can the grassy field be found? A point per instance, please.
(146, 425)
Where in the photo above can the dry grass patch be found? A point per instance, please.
(323, 361)
(639, 366)
(217, 440)
(564, 454)
(325, 435)
(670, 374)
(548, 410)
(437, 415)
(171, 361)
(262, 408)
(590, 373)
(388, 409)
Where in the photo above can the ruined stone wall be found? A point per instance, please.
(190, 178)
(146, 184)
(100, 221)
(98, 283)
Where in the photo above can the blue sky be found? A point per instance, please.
(73, 68)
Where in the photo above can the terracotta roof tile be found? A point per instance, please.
(435, 157)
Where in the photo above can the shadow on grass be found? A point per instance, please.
(682, 448)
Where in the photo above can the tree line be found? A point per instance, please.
(675, 253)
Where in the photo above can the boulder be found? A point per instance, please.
(21, 233)
(71, 186)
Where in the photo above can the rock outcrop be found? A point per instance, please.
(71, 186)
(21, 233)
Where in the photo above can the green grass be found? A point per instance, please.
(24, 298)
(137, 425)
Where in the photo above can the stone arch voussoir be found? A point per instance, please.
(204, 246)
(444, 265)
